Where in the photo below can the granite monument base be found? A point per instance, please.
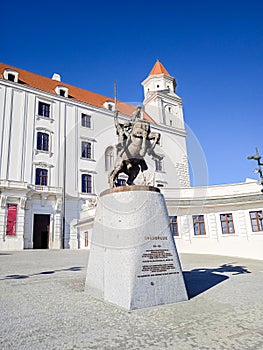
(133, 261)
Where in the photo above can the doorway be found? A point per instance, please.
(41, 231)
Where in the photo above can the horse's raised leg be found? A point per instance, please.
(132, 173)
(114, 175)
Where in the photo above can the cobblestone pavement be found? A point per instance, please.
(43, 306)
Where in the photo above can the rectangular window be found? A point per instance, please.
(44, 109)
(158, 165)
(227, 223)
(41, 177)
(11, 219)
(86, 181)
(174, 225)
(85, 120)
(86, 150)
(199, 225)
(256, 219)
(42, 141)
(121, 182)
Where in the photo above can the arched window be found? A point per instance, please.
(109, 158)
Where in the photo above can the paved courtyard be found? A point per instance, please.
(43, 306)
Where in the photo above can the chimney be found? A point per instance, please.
(56, 76)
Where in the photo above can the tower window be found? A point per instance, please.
(169, 109)
(171, 123)
(158, 86)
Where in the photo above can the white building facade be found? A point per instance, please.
(57, 149)
(58, 146)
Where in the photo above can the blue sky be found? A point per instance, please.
(214, 49)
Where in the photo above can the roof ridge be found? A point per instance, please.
(46, 84)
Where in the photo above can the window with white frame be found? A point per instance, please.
(199, 225)
(109, 105)
(62, 91)
(174, 225)
(86, 150)
(85, 120)
(41, 177)
(227, 223)
(44, 109)
(256, 219)
(86, 183)
(42, 141)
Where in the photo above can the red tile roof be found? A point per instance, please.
(158, 68)
(48, 85)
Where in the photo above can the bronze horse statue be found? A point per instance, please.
(135, 141)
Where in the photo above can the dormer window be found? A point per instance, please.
(62, 91)
(109, 105)
(11, 75)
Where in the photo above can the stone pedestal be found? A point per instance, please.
(133, 260)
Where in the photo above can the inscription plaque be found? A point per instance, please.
(157, 261)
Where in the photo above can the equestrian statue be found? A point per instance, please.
(135, 140)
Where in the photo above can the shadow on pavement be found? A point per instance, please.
(17, 277)
(200, 280)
